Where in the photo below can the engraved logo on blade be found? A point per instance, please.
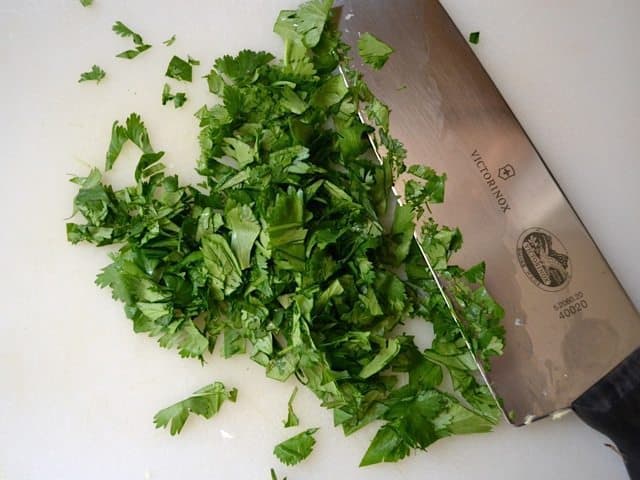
(544, 259)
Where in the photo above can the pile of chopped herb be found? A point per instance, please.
(283, 253)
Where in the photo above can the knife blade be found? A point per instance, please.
(569, 322)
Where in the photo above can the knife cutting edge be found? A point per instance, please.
(573, 335)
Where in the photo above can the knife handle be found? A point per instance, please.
(612, 406)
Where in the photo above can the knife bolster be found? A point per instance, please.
(612, 406)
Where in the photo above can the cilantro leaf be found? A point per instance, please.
(330, 92)
(373, 51)
(119, 137)
(86, 3)
(382, 359)
(386, 446)
(222, 264)
(179, 98)
(133, 130)
(292, 419)
(241, 152)
(474, 37)
(205, 402)
(215, 82)
(429, 189)
(304, 25)
(286, 234)
(401, 235)
(122, 30)
(297, 448)
(169, 41)
(133, 53)
(179, 69)
(245, 67)
(96, 73)
(244, 232)
(274, 476)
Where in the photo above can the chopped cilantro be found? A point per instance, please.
(96, 74)
(274, 476)
(373, 51)
(474, 37)
(292, 419)
(297, 448)
(169, 41)
(86, 3)
(179, 69)
(178, 98)
(206, 402)
(288, 249)
(122, 30)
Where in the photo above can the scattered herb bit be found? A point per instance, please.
(274, 476)
(179, 98)
(133, 53)
(122, 30)
(292, 419)
(192, 61)
(95, 74)
(373, 51)
(169, 41)
(179, 69)
(288, 249)
(302, 29)
(296, 448)
(133, 130)
(426, 188)
(86, 3)
(206, 402)
(474, 37)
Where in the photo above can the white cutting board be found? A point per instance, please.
(78, 389)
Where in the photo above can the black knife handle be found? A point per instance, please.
(612, 406)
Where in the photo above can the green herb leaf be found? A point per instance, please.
(245, 67)
(169, 41)
(296, 448)
(428, 189)
(133, 53)
(96, 74)
(179, 69)
(179, 98)
(122, 30)
(386, 446)
(244, 232)
(373, 51)
(133, 130)
(205, 402)
(304, 25)
(274, 476)
(474, 37)
(330, 92)
(86, 3)
(292, 419)
(222, 264)
(382, 359)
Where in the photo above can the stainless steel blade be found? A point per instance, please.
(568, 320)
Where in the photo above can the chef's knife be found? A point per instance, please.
(573, 335)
